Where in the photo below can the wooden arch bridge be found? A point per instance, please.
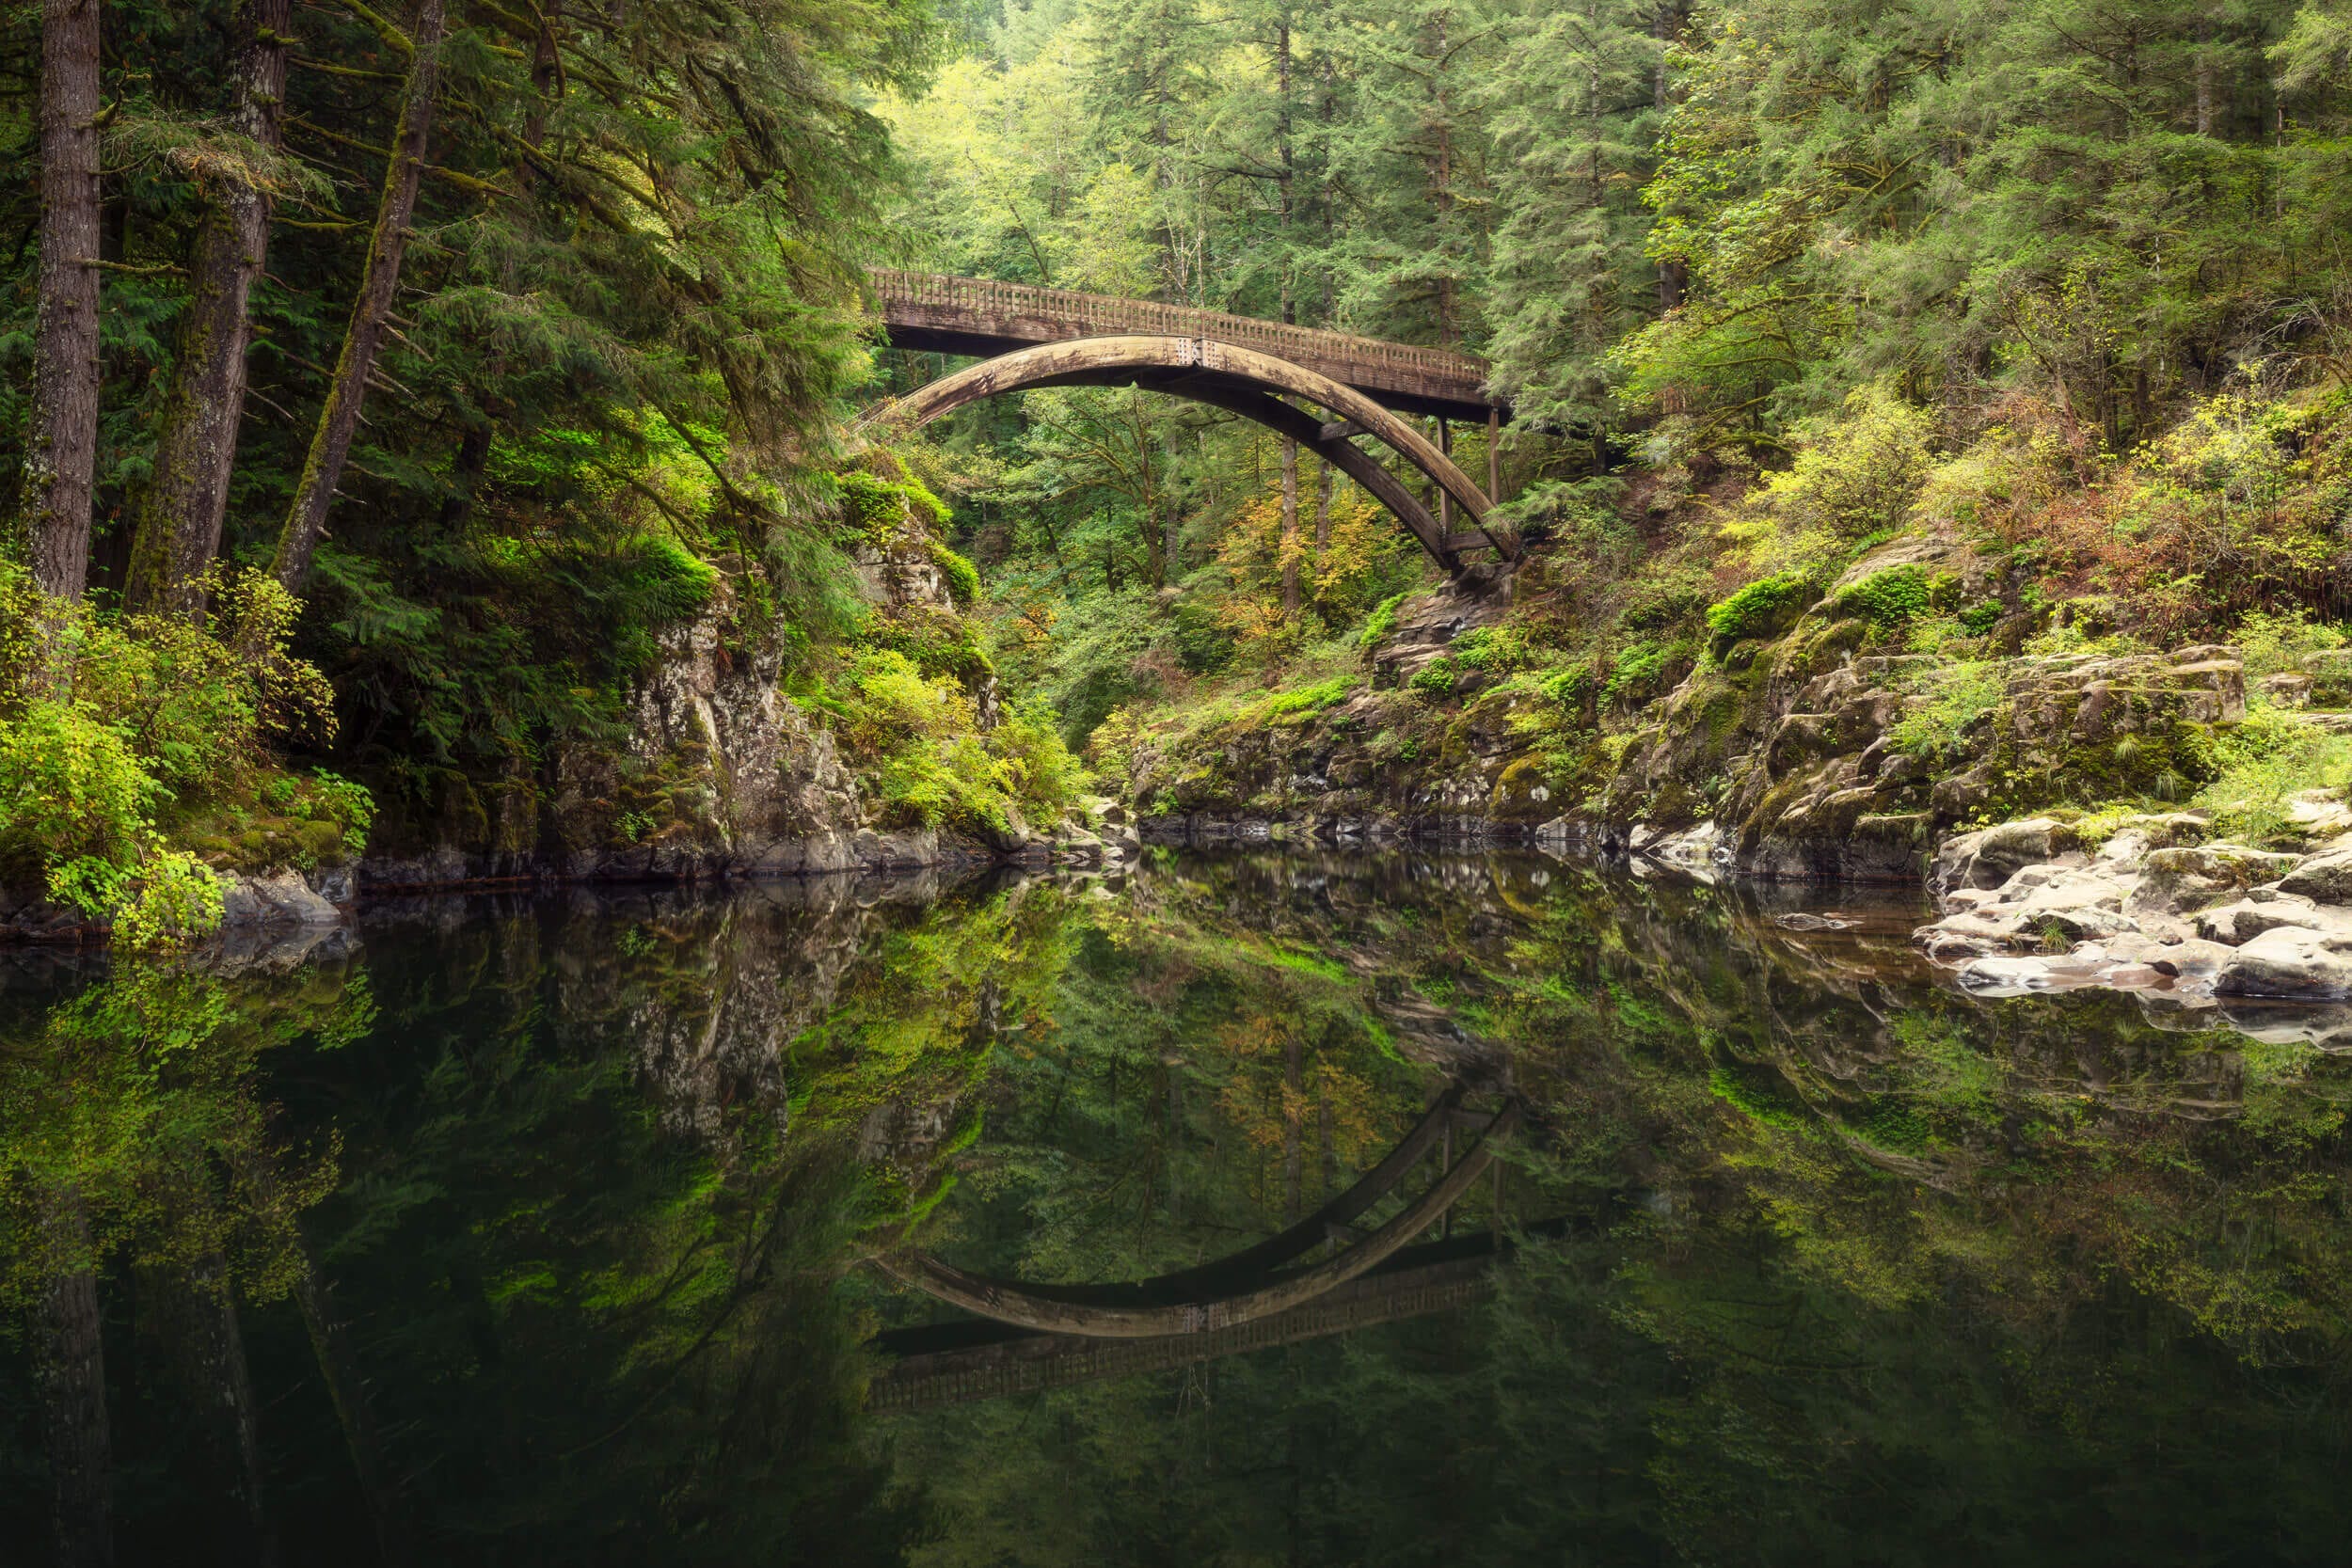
(1268, 1293)
(1261, 371)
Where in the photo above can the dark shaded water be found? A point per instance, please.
(525, 1231)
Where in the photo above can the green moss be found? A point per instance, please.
(1307, 699)
(963, 579)
(1889, 598)
(1763, 608)
(1377, 624)
(878, 511)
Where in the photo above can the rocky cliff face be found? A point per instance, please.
(1794, 766)
(721, 776)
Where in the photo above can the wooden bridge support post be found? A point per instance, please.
(1494, 1223)
(1494, 455)
(1445, 1163)
(1445, 503)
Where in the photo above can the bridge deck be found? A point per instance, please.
(978, 315)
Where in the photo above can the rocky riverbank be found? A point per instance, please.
(1801, 745)
(2153, 906)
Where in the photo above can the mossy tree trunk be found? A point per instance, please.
(61, 435)
(339, 420)
(181, 509)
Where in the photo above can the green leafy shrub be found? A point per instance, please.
(1041, 771)
(1641, 671)
(348, 804)
(121, 725)
(2274, 642)
(1763, 608)
(918, 742)
(1977, 618)
(939, 642)
(1960, 694)
(178, 900)
(1434, 681)
(1856, 474)
(70, 789)
(1381, 622)
(2263, 765)
(1493, 650)
(1573, 690)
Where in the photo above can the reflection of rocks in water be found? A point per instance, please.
(719, 988)
(273, 949)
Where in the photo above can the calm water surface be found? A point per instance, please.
(1392, 1210)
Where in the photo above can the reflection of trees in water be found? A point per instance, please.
(1860, 1270)
(133, 1147)
(1871, 1272)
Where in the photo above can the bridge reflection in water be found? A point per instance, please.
(1026, 1336)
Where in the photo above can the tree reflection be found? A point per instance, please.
(533, 1233)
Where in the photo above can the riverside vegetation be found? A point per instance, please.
(1864, 364)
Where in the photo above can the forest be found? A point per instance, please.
(454, 446)
(387, 393)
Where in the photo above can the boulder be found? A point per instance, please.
(283, 899)
(2249, 917)
(2324, 879)
(2289, 962)
(1998, 853)
(2287, 691)
(2180, 881)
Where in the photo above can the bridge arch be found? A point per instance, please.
(1245, 382)
(1250, 1285)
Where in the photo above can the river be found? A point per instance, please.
(1506, 1209)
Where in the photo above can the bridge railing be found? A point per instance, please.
(1086, 314)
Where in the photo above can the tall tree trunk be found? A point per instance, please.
(61, 435)
(181, 512)
(330, 1342)
(207, 1347)
(1290, 527)
(2204, 77)
(1664, 26)
(1285, 169)
(339, 420)
(70, 1363)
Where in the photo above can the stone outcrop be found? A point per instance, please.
(721, 776)
(261, 912)
(1794, 747)
(2031, 906)
(1807, 754)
